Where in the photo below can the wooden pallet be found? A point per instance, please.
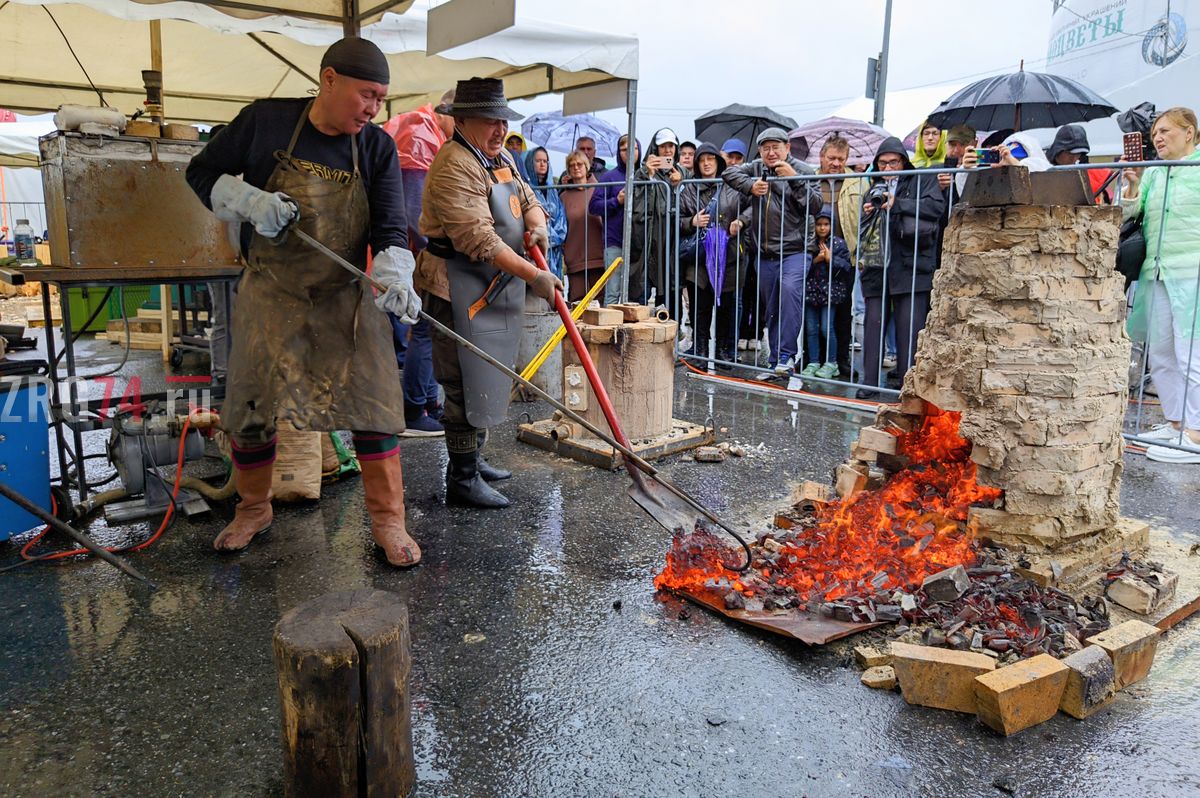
(569, 440)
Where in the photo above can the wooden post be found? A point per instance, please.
(168, 319)
(343, 665)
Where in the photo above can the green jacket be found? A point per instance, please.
(1177, 261)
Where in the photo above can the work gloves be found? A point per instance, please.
(544, 284)
(394, 268)
(540, 238)
(235, 200)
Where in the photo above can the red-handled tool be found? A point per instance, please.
(585, 357)
(662, 500)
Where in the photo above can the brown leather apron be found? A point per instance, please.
(309, 345)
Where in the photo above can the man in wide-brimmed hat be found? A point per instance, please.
(473, 277)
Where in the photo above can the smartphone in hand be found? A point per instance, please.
(988, 156)
(1133, 146)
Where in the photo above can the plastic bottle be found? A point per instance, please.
(23, 240)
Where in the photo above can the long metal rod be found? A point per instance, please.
(630, 456)
(72, 532)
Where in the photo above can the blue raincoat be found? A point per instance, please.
(552, 203)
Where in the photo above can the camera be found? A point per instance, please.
(877, 196)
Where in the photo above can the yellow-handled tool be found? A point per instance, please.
(561, 332)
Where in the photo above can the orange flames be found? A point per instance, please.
(875, 541)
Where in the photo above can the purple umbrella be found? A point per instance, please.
(864, 137)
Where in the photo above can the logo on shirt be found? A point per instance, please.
(324, 172)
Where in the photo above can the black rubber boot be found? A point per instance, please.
(488, 471)
(465, 486)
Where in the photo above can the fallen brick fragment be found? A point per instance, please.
(877, 440)
(1020, 695)
(1143, 595)
(870, 657)
(880, 677)
(938, 677)
(1090, 682)
(1131, 648)
(709, 454)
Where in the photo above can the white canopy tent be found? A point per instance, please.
(216, 61)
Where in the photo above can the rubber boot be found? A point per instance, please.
(489, 472)
(465, 487)
(383, 486)
(253, 513)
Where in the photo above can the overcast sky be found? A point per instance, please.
(804, 59)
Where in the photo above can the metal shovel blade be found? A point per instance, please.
(663, 506)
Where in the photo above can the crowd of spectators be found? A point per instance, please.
(752, 252)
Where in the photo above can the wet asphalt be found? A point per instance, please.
(543, 662)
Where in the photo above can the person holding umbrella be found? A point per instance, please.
(714, 271)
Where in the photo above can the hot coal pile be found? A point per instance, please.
(1007, 614)
(874, 542)
(900, 553)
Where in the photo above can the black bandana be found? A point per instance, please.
(357, 58)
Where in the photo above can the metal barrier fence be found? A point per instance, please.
(774, 303)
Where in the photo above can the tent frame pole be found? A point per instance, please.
(631, 154)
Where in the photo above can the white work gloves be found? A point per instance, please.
(235, 200)
(394, 268)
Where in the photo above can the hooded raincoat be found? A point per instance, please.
(929, 160)
(912, 227)
(552, 204)
(723, 205)
(604, 202)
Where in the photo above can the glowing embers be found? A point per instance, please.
(870, 545)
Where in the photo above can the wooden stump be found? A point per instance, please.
(343, 665)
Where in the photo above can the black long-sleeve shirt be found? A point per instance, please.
(247, 146)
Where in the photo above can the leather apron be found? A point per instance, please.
(309, 345)
(488, 307)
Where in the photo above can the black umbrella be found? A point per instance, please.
(739, 121)
(1021, 101)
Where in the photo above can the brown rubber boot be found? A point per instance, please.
(383, 485)
(253, 513)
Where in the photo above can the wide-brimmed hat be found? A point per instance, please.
(482, 98)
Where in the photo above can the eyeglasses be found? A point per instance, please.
(890, 163)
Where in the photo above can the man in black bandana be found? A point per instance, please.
(311, 344)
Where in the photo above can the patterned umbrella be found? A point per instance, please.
(561, 133)
(864, 138)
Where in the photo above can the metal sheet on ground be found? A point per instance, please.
(815, 630)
